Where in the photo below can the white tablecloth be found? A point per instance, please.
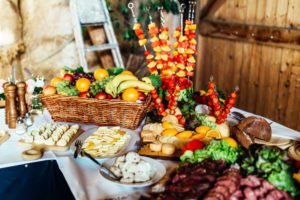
(81, 174)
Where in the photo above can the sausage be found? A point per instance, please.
(249, 194)
(267, 185)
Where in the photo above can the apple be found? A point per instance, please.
(49, 90)
(68, 77)
(101, 95)
(84, 95)
(142, 96)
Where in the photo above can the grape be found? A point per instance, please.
(99, 85)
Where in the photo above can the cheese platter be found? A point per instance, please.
(49, 137)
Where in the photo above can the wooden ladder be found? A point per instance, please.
(93, 13)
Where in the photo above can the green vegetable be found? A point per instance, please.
(217, 150)
(156, 80)
(188, 156)
(194, 120)
(268, 162)
(205, 122)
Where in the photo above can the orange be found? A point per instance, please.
(202, 129)
(213, 134)
(127, 72)
(100, 74)
(83, 84)
(167, 125)
(231, 142)
(169, 132)
(199, 136)
(130, 94)
(55, 80)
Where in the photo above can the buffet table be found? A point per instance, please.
(81, 174)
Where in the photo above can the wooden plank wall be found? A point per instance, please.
(268, 76)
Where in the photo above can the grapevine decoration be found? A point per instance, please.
(174, 65)
(218, 109)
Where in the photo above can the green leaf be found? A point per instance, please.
(117, 24)
(80, 70)
(123, 9)
(115, 71)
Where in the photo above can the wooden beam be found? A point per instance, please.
(210, 8)
(273, 36)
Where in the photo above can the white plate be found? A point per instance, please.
(129, 145)
(159, 172)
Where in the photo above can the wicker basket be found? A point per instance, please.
(113, 112)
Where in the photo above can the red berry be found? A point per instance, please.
(229, 106)
(231, 101)
(178, 117)
(210, 91)
(215, 100)
(233, 95)
(154, 96)
(211, 85)
(182, 121)
(153, 91)
(158, 100)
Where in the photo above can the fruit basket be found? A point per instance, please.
(112, 112)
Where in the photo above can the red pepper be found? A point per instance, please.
(193, 146)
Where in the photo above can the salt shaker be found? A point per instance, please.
(21, 127)
(28, 119)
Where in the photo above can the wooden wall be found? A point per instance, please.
(267, 72)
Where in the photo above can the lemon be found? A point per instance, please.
(202, 129)
(214, 134)
(231, 142)
(167, 125)
(184, 135)
(199, 136)
(169, 132)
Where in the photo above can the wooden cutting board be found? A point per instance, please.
(146, 151)
(37, 150)
(3, 138)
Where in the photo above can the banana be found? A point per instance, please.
(139, 85)
(147, 80)
(122, 77)
(112, 86)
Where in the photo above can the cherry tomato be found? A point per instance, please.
(142, 96)
(100, 95)
(84, 95)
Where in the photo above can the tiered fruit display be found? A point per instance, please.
(102, 84)
(216, 109)
(174, 70)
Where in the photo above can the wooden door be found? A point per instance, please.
(253, 44)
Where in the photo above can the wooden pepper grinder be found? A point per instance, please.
(21, 99)
(11, 103)
(6, 104)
